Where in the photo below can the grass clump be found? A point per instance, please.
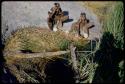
(87, 67)
(38, 40)
(35, 39)
(115, 24)
(64, 44)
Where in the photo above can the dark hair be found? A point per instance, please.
(82, 14)
(55, 3)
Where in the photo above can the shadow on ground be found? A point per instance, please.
(69, 20)
(58, 72)
(108, 58)
(66, 13)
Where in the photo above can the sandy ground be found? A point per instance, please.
(16, 14)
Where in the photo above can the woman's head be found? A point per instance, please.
(57, 4)
(83, 15)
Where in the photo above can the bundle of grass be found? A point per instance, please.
(30, 40)
(87, 67)
(38, 40)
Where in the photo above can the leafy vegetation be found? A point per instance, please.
(115, 25)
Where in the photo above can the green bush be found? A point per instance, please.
(115, 24)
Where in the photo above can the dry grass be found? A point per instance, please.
(35, 39)
(38, 40)
(100, 8)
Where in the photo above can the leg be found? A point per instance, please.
(79, 31)
(59, 24)
(50, 26)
